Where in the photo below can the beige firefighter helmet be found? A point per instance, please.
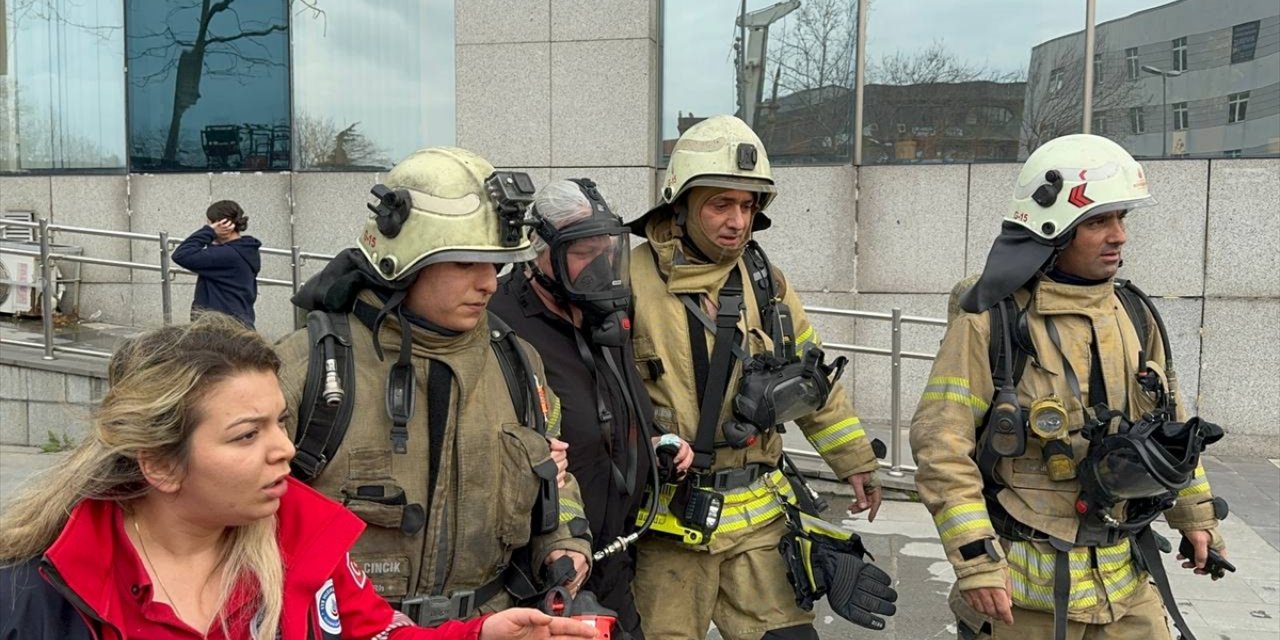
(721, 151)
(449, 217)
(1072, 178)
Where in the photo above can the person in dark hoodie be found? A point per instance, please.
(225, 262)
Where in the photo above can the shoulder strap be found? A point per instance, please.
(1004, 319)
(720, 368)
(1133, 306)
(775, 317)
(328, 395)
(518, 374)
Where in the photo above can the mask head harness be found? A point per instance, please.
(600, 288)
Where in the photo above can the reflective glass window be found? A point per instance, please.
(1208, 83)
(373, 81)
(61, 85)
(787, 69)
(945, 82)
(208, 85)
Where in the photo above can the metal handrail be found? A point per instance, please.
(297, 257)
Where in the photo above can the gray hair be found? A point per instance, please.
(562, 203)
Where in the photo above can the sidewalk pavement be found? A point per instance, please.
(1244, 606)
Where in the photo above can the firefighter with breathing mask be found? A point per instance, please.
(1051, 434)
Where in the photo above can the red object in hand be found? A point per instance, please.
(584, 609)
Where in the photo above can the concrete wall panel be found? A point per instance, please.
(814, 228)
(504, 102)
(274, 312)
(13, 421)
(990, 187)
(329, 212)
(1165, 252)
(99, 202)
(1238, 383)
(112, 303)
(911, 223)
(628, 190)
(1182, 317)
(603, 19)
(501, 21)
(603, 103)
(265, 199)
(26, 193)
(872, 395)
(1244, 229)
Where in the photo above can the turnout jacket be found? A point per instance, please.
(663, 353)
(91, 584)
(485, 489)
(944, 439)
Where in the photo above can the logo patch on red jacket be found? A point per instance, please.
(357, 573)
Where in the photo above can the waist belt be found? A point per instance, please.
(730, 479)
(429, 611)
(1008, 527)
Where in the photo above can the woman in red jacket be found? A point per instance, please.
(176, 518)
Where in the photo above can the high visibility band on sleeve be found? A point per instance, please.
(1198, 486)
(832, 437)
(952, 389)
(960, 519)
(553, 418)
(570, 510)
(806, 338)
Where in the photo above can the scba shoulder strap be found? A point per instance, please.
(324, 416)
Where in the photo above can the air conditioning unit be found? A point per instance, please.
(18, 274)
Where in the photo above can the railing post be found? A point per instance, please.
(296, 263)
(895, 401)
(166, 276)
(48, 291)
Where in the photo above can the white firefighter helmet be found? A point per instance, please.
(436, 208)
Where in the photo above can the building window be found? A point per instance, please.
(62, 94)
(1131, 63)
(1244, 40)
(1137, 124)
(1097, 68)
(1180, 54)
(1237, 104)
(208, 85)
(1232, 153)
(1179, 116)
(1100, 124)
(411, 67)
(1056, 79)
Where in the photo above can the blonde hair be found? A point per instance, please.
(157, 382)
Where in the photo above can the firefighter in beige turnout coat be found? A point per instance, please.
(738, 580)
(1007, 590)
(442, 266)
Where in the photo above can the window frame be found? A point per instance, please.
(1179, 54)
(1237, 107)
(1237, 51)
(1137, 121)
(1133, 63)
(1181, 116)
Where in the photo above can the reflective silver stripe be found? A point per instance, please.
(954, 389)
(835, 435)
(960, 519)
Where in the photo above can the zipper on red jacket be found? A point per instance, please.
(51, 575)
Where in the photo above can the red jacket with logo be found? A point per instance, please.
(91, 584)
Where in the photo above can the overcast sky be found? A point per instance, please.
(698, 39)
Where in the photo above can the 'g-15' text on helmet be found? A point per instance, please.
(723, 152)
(1072, 178)
(449, 215)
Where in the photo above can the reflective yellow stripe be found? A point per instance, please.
(1032, 572)
(952, 389)
(806, 337)
(960, 519)
(553, 418)
(840, 433)
(755, 504)
(570, 510)
(1199, 485)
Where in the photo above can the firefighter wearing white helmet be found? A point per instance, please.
(399, 390)
(703, 291)
(1048, 534)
